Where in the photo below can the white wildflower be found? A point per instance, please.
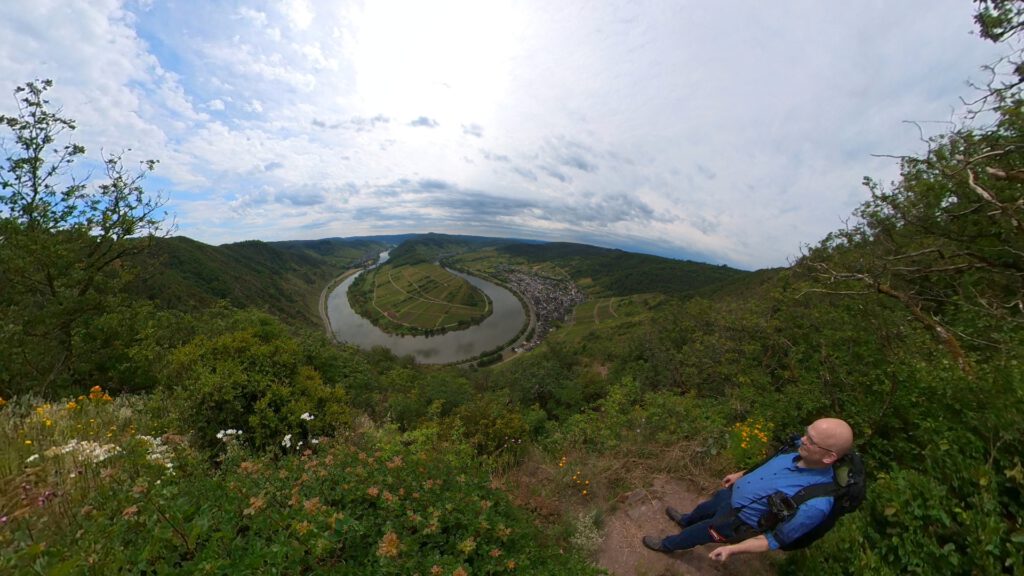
(159, 452)
(227, 435)
(306, 416)
(32, 458)
(89, 450)
(287, 442)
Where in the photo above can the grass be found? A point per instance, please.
(423, 297)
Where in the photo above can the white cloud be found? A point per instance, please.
(299, 12)
(731, 132)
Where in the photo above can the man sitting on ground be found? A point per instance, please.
(733, 512)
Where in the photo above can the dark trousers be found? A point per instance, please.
(713, 520)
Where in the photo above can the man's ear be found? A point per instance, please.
(831, 458)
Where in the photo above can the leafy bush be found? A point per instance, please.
(258, 379)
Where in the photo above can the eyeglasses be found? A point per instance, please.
(811, 442)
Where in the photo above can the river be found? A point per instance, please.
(497, 329)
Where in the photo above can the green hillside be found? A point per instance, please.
(610, 272)
(283, 278)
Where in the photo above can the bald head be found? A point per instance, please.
(833, 434)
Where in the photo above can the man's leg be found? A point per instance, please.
(693, 535)
(708, 508)
(696, 524)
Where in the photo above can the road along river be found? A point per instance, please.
(497, 329)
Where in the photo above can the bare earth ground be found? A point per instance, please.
(643, 512)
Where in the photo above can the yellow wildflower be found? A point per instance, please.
(28, 442)
(72, 405)
(2, 401)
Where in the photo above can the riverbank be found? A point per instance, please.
(322, 307)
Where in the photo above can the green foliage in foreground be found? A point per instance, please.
(373, 502)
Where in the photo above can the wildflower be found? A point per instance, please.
(72, 405)
(388, 546)
(2, 402)
(373, 491)
(311, 505)
(303, 527)
(307, 416)
(460, 571)
(435, 570)
(32, 458)
(92, 451)
(495, 553)
(467, 546)
(28, 442)
(314, 441)
(227, 435)
(287, 442)
(511, 564)
(96, 393)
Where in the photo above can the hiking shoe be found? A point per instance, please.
(676, 516)
(653, 543)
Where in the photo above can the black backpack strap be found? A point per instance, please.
(814, 491)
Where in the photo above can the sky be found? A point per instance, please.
(724, 132)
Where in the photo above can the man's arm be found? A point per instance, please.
(750, 545)
(732, 478)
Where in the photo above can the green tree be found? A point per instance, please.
(947, 239)
(63, 240)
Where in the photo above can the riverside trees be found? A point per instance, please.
(63, 240)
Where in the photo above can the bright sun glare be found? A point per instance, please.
(449, 60)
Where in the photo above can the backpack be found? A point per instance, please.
(848, 490)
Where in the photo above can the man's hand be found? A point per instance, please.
(722, 553)
(731, 479)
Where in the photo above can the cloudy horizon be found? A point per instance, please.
(721, 132)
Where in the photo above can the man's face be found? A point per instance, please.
(811, 450)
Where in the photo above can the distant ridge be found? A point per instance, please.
(616, 272)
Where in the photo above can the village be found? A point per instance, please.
(552, 300)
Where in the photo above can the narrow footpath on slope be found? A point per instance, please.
(643, 512)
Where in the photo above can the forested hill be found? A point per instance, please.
(283, 278)
(433, 246)
(618, 273)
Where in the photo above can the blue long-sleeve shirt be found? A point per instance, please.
(781, 474)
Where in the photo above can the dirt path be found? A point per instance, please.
(643, 512)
